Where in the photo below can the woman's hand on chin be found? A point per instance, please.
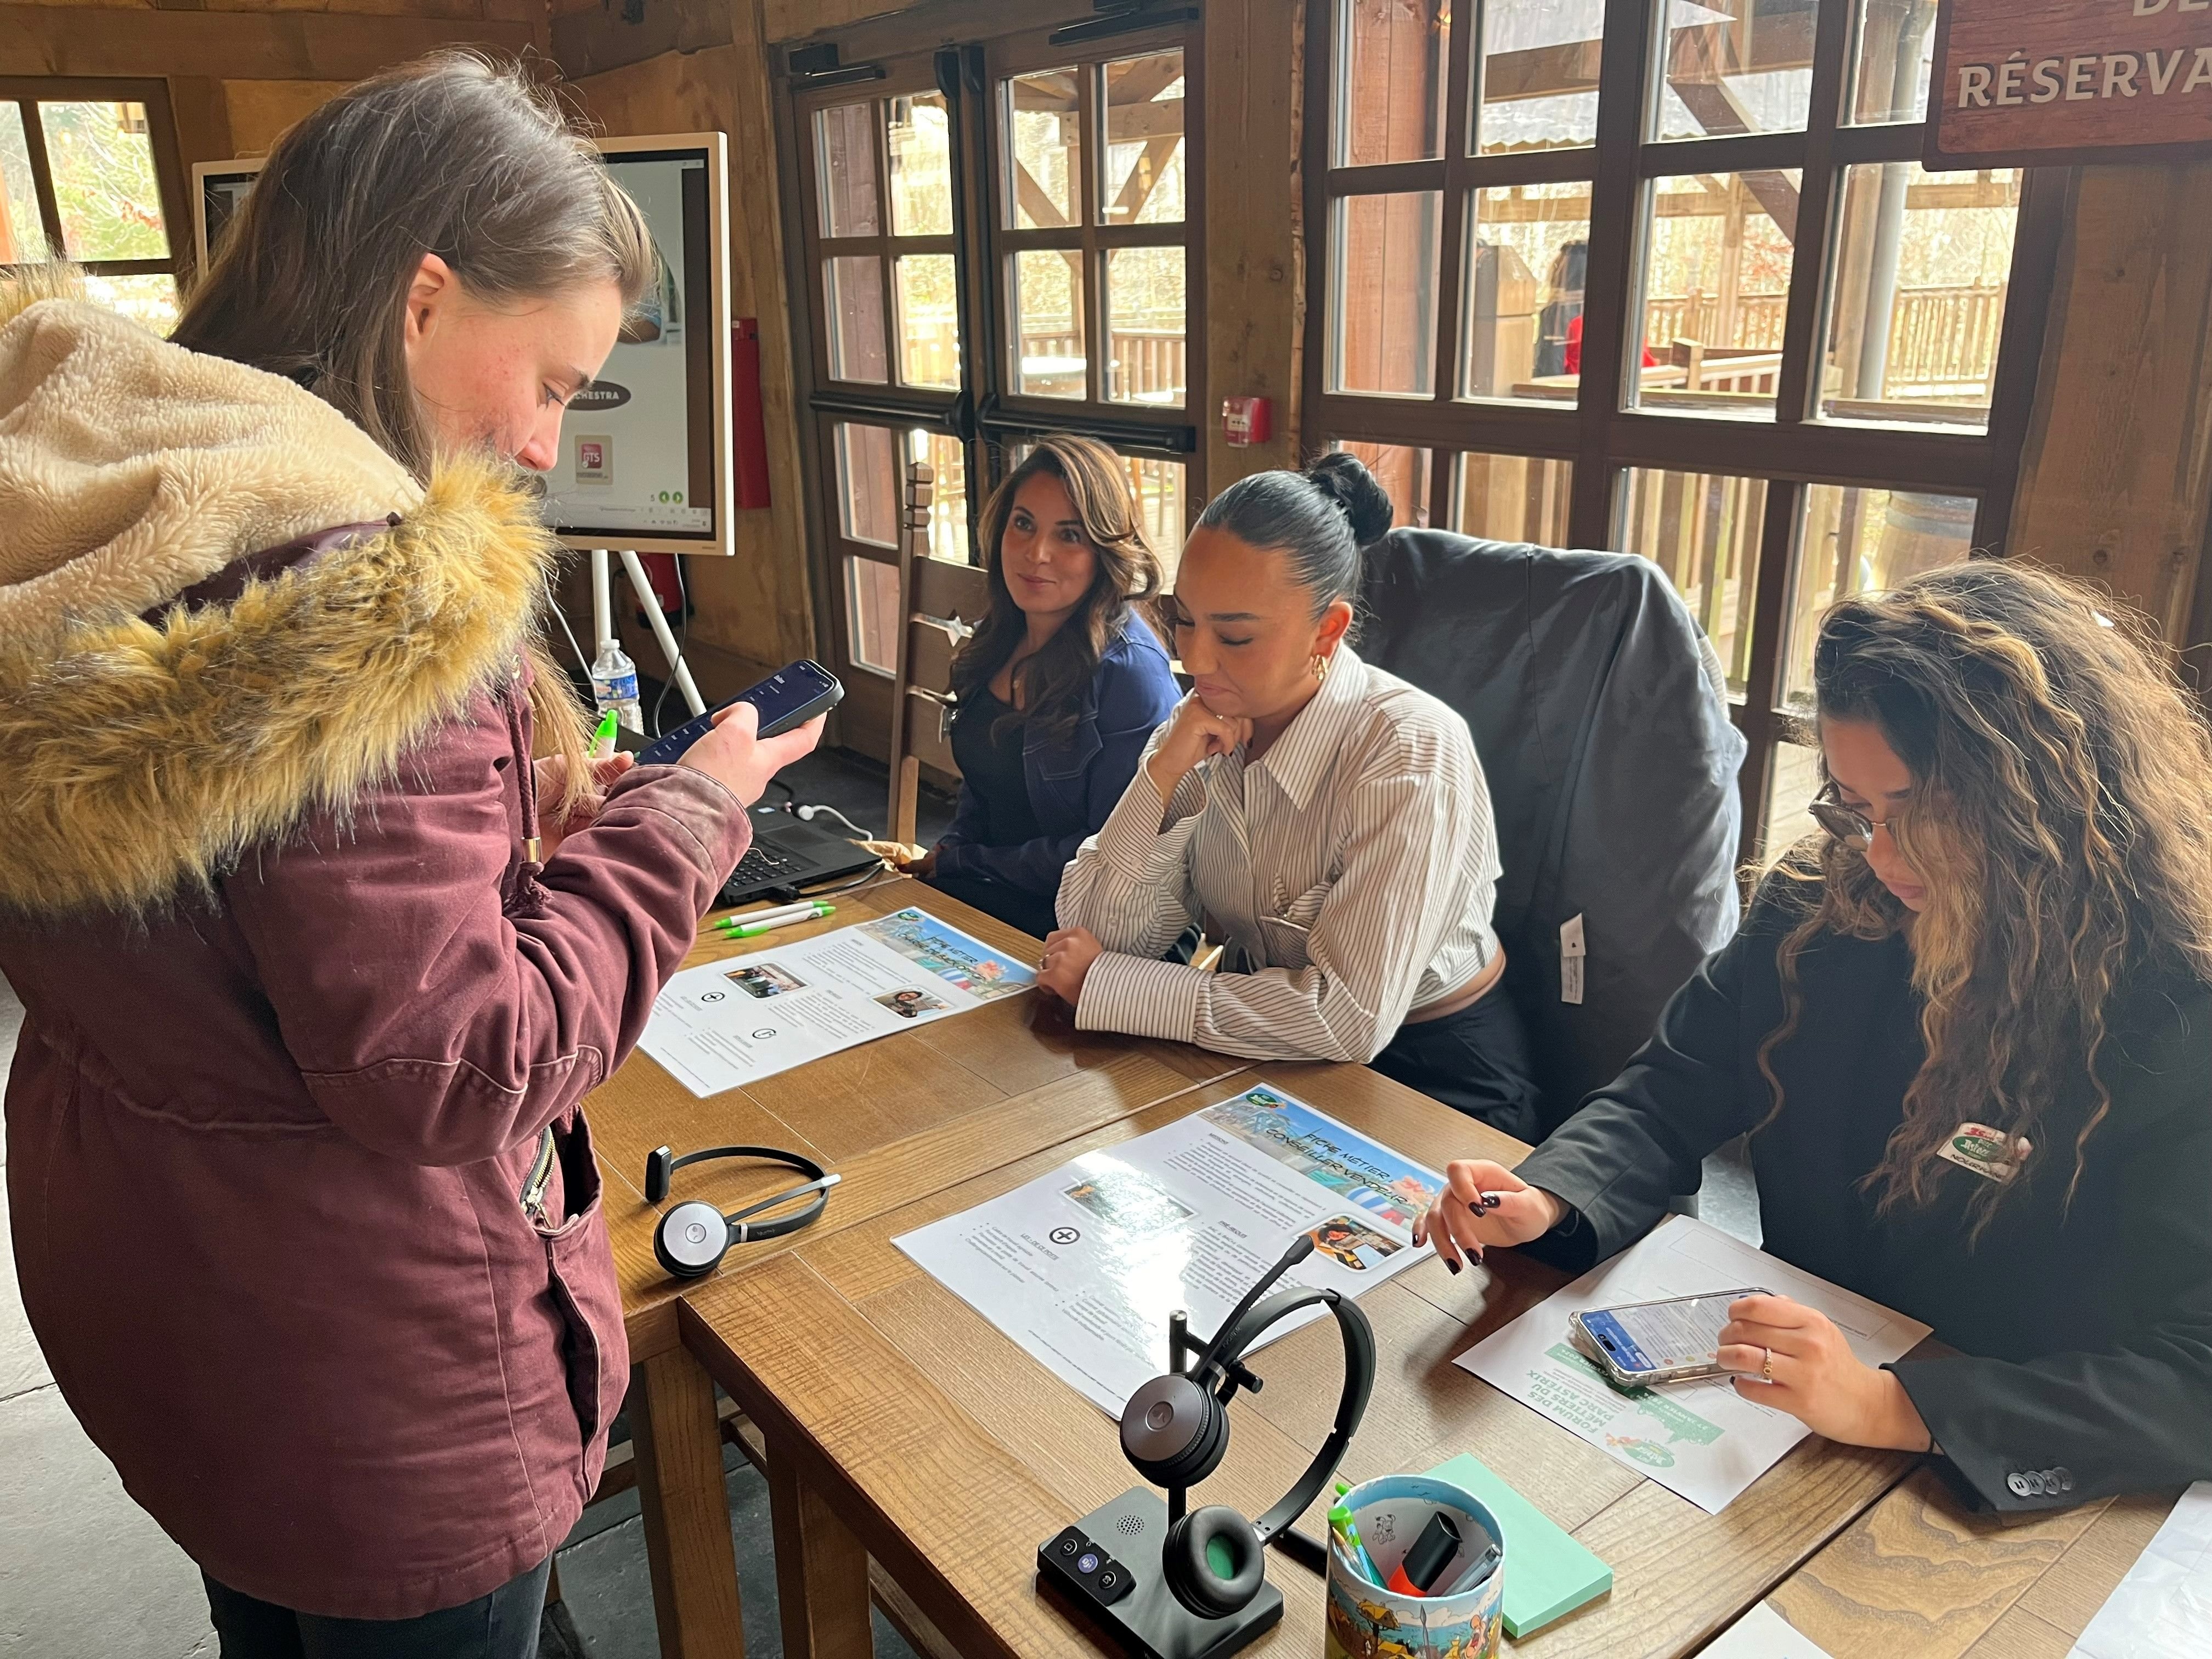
(1793, 1357)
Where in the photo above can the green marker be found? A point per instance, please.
(1342, 1523)
(748, 930)
(603, 740)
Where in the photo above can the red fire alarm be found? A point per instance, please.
(1245, 420)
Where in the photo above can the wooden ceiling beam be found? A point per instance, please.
(292, 45)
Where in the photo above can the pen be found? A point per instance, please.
(1485, 1564)
(752, 929)
(603, 740)
(1340, 1523)
(774, 913)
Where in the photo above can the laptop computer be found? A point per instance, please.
(789, 854)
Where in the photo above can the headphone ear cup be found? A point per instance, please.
(1212, 1563)
(659, 1166)
(1174, 1431)
(691, 1240)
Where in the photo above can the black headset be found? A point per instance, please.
(1176, 1430)
(692, 1238)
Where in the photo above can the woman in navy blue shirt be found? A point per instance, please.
(1060, 688)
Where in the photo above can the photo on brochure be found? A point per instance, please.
(1353, 1244)
(764, 979)
(911, 1004)
(1363, 1173)
(950, 955)
(1123, 1197)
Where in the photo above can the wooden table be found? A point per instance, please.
(900, 1120)
(901, 1425)
(1917, 1577)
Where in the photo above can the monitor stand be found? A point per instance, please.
(603, 619)
(1145, 1619)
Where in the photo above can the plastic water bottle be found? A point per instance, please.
(614, 685)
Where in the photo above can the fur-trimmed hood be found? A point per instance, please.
(144, 757)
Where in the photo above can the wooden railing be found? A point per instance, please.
(1943, 341)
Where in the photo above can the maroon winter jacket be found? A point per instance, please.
(299, 1009)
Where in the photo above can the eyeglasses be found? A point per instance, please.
(1854, 829)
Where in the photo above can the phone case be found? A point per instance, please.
(1592, 1350)
(669, 747)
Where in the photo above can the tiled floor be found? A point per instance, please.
(84, 1574)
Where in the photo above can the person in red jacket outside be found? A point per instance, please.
(317, 959)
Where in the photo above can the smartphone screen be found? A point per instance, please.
(1663, 1336)
(785, 693)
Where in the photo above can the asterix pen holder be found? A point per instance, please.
(1364, 1618)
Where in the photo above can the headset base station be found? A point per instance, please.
(1123, 1591)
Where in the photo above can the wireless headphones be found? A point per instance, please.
(692, 1238)
(1176, 1430)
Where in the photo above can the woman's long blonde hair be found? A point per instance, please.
(2060, 819)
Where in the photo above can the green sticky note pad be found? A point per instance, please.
(1548, 1574)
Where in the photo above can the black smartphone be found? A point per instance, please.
(789, 698)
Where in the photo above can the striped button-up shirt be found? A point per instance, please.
(1352, 868)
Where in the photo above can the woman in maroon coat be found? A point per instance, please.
(317, 962)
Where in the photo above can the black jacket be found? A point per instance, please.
(2087, 1327)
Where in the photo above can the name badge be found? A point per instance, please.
(1573, 957)
(1988, 1152)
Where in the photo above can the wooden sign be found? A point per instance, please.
(2044, 82)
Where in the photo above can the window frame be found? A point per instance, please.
(29, 91)
(1600, 433)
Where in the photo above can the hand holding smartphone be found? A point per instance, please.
(788, 698)
(1671, 1340)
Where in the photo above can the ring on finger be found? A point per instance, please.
(1766, 1365)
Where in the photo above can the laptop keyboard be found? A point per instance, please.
(763, 866)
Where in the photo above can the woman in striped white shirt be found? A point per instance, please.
(1325, 821)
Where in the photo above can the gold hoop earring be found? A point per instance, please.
(1321, 671)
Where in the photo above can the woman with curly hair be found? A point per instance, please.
(1970, 1031)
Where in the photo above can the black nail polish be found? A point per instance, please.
(1454, 1266)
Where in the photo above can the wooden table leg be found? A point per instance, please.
(686, 1509)
(821, 1571)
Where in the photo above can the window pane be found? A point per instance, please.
(1862, 541)
(149, 300)
(871, 601)
(1163, 506)
(1044, 146)
(1919, 293)
(929, 311)
(867, 484)
(852, 294)
(1703, 530)
(921, 167)
(1523, 333)
(23, 238)
(1403, 472)
(1144, 347)
(1794, 782)
(1717, 255)
(1049, 341)
(1144, 141)
(1390, 75)
(1383, 293)
(1539, 85)
(948, 504)
(102, 161)
(845, 167)
(1514, 498)
(1896, 51)
(1736, 66)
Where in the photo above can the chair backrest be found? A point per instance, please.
(1602, 722)
(939, 604)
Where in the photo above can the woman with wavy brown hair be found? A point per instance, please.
(1970, 1031)
(1061, 685)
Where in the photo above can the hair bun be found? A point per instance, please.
(1340, 476)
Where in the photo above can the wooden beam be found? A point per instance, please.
(36, 40)
(594, 41)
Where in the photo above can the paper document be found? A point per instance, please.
(1083, 1266)
(1763, 1633)
(1699, 1439)
(2163, 1607)
(746, 1018)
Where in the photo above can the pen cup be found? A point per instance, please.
(1364, 1618)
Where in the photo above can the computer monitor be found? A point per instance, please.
(646, 461)
(218, 188)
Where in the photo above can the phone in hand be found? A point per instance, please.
(1670, 1340)
(787, 698)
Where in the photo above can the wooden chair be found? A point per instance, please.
(941, 602)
